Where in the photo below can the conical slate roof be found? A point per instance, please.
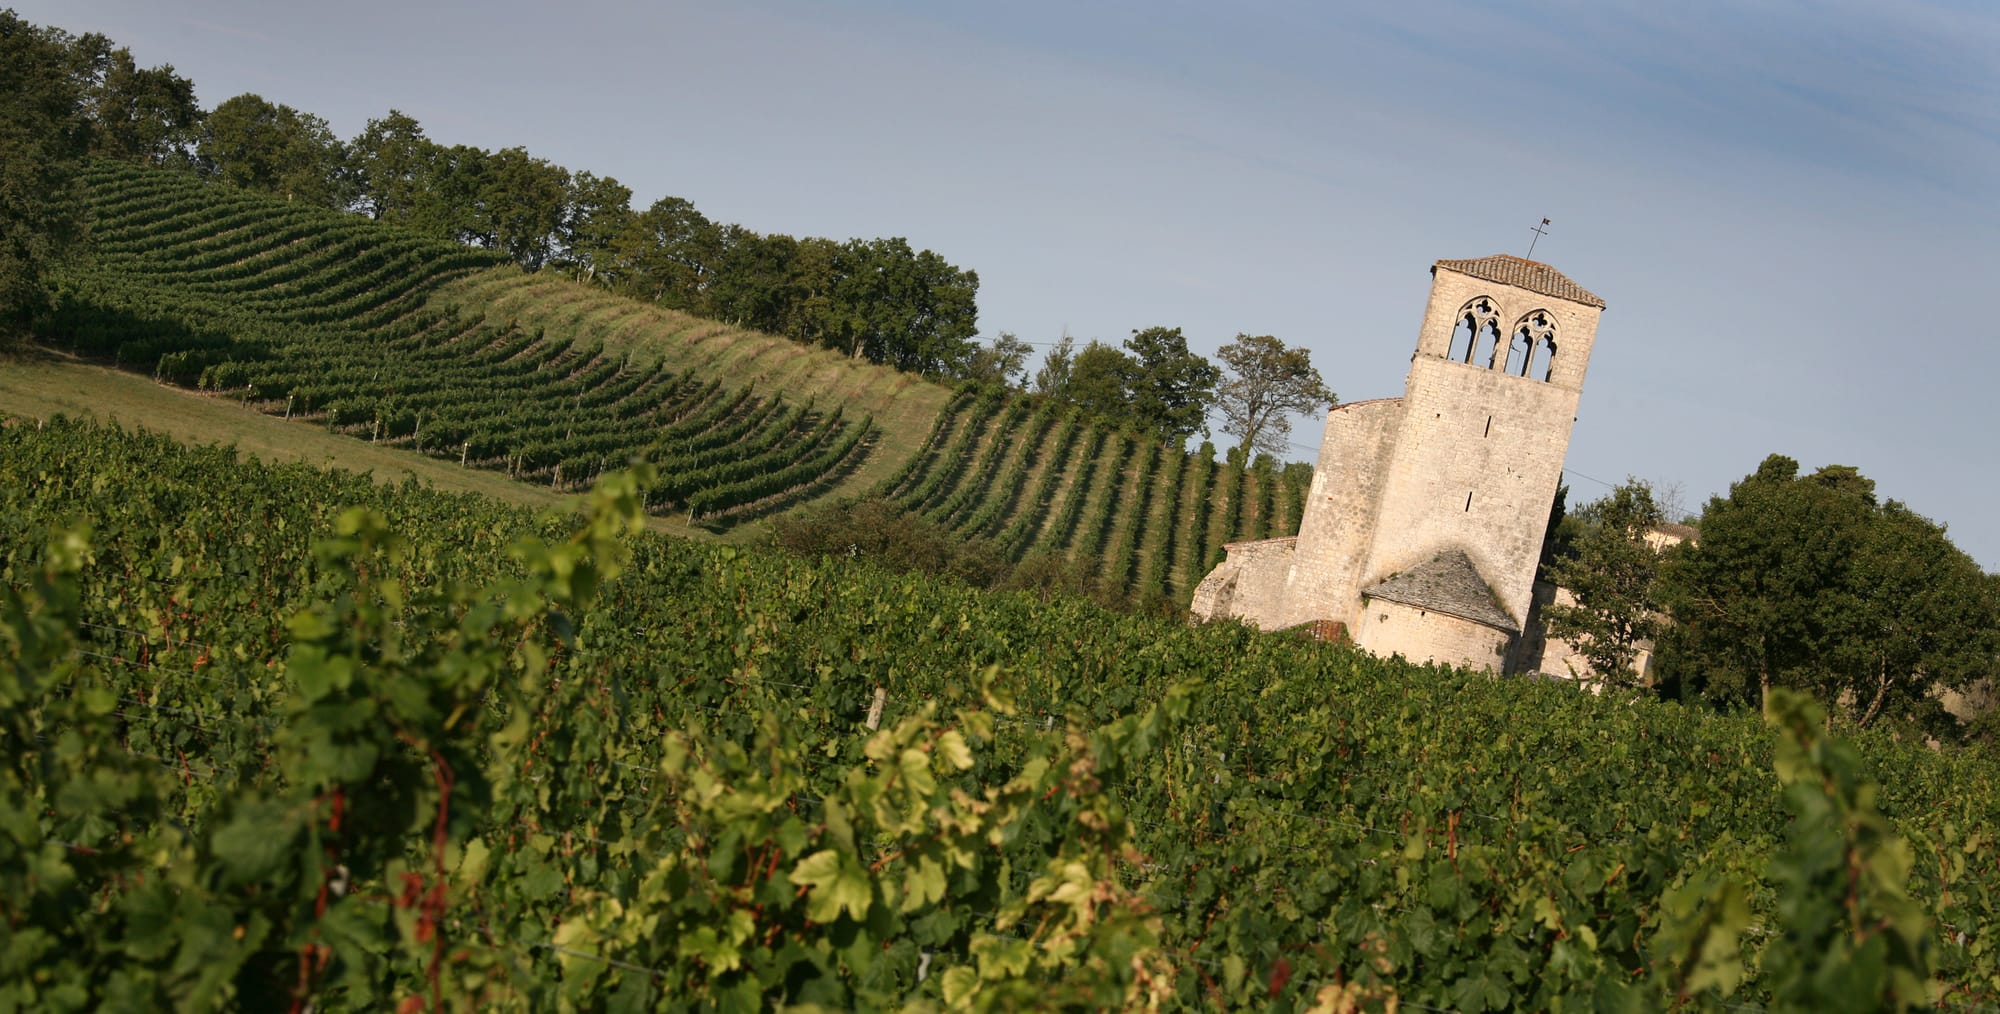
(1524, 273)
(1446, 583)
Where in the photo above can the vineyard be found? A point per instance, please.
(437, 349)
(285, 737)
(326, 316)
(1043, 479)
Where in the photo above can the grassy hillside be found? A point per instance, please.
(430, 348)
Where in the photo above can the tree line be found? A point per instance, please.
(1809, 582)
(1152, 383)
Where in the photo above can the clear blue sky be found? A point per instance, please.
(1793, 210)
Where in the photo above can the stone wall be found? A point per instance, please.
(1392, 628)
(1342, 506)
(1468, 459)
(1249, 583)
(1476, 468)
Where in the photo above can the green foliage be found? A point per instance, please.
(1153, 385)
(249, 142)
(629, 752)
(1851, 938)
(1101, 380)
(1172, 388)
(877, 530)
(43, 133)
(1809, 582)
(1003, 362)
(1610, 568)
(1269, 383)
(145, 115)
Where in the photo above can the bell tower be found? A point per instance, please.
(1424, 525)
(1487, 412)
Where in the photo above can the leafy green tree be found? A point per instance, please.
(1808, 582)
(452, 205)
(908, 309)
(1171, 388)
(1611, 570)
(598, 212)
(390, 162)
(249, 142)
(1004, 362)
(42, 140)
(667, 254)
(146, 115)
(1268, 383)
(1100, 381)
(1052, 378)
(524, 200)
(774, 283)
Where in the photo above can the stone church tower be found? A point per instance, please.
(1424, 525)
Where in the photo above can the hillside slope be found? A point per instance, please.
(433, 348)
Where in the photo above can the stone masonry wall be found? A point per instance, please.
(1249, 583)
(1481, 451)
(1341, 511)
(1477, 466)
(1469, 458)
(1392, 628)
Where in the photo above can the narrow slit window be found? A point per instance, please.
(1489, 427)
(1468, 501)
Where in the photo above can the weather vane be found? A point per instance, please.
(1539, 231)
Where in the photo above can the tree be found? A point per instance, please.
(1100, 381)
(1269, 383)
(1003, 362)
(250, 142)
(390, 163)
(143, 115)
(1052, 379)
(1810, 583)
(452, 203)
(1171, 388)
(668, 254)
(1610, 569)
(524, 200)
(599, 211)
(42, 141)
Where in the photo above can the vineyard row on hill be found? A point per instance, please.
(325, 316)
(284, 750)
(331, 317)
(1042, 478)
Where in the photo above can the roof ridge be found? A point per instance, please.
(1535, 276)
(1449, 582)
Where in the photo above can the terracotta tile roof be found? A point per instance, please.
(1446, 583)
(1534, 276)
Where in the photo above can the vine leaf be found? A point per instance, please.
(837, 881)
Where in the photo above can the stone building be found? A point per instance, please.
(1424, 524)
